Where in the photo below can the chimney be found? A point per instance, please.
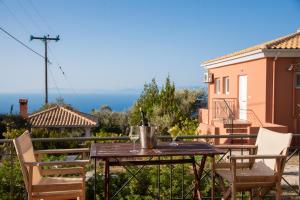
(23, 107)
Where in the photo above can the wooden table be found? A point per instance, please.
(118, 154)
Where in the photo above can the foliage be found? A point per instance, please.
(110, 121)
(12, 133)
(147, 100)
(12, 185)
(167, 107)
(13, 122)
(188, 126)
(55, 133)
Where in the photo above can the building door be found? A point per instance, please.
(243, 97)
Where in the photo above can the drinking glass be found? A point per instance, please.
(134, 135)
(174, 133)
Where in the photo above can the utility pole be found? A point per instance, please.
(45, 39)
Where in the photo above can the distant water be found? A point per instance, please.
(81, 102)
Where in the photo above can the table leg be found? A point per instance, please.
(158, 180)
(106, 180)
(213, 177)
(95, 177)
(198, 175)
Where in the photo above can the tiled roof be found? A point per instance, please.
(60, 116)
(291, 41)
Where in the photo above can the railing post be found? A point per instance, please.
(213, 177)
(182, 180)
(11, 170)
(298, 172)
(95, 176)
(171, 179)
(158, 180)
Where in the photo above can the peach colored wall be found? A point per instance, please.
(256, 71)
(203, 115)
(284, 88)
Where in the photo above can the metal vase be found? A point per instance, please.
(148, 138)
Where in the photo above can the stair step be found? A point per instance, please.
(227, 125)
(239, 141)
(234, 124)
(236, 130)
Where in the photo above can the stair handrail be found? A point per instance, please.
(231, 115)
(224, 100)
(255, 116)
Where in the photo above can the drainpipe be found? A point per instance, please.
(273, 88)
(208, 103)
(293, 97)
(295, 124)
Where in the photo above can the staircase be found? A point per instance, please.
(225, 112)
(234, 127)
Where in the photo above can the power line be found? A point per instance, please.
(54, 81)
(34, 22)
(14, 16)
(29, 16)
(40, 16)
(60, 68)
(26, 30)
(39, 28)
(51, 52)
(20, 42)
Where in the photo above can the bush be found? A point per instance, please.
(11, 178)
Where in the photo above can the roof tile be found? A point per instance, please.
(291, 41)
(60, 116)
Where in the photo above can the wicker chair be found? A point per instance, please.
(260, 170)
(40, 183)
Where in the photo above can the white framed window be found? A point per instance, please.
(217, 86)
(298, 80)
(226, 85)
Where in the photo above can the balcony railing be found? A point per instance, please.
(8, 151)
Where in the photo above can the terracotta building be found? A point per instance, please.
(256, 87)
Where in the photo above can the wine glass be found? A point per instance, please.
(174, 133)
(134, 135)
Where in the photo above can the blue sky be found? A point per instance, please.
(111, 45)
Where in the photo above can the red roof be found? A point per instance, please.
(60, 116)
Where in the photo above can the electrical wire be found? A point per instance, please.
(50, 51)
(29, 16)
(39, 29)
(62, 72)
(14, 16)
(54, 81)
(22, 43)
(40, 16)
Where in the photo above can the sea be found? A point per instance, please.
(82, 102)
